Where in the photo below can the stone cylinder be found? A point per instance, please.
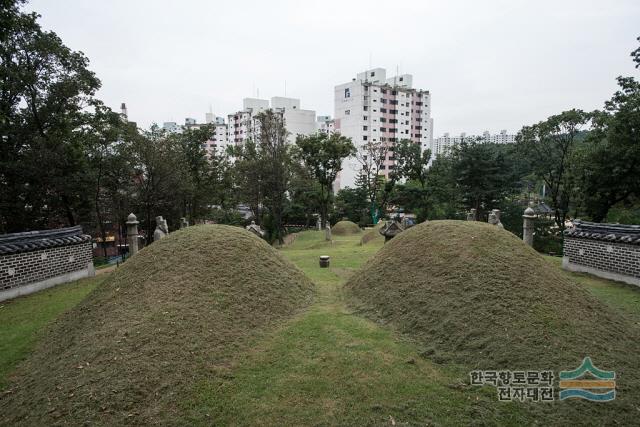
(132, 234)
(324, 261)
(528, 226)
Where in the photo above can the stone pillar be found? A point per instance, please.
(132, 234)
(183, 223)
(528, 226)
(319, 223)
(327, 232)
(471, 216)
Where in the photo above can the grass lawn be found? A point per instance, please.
(326, 366)
(24, 318)
(330, 367)
(619, 295)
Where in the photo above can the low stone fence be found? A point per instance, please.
(36, 260)
(611, 251)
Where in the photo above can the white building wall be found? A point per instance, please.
(374, 108)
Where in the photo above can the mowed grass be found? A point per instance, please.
(620, 296)
(326, 366)
(330, 367)
(24, 318)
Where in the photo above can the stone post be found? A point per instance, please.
(319, 223)
(327, 232)
(471, 216)
(183, 223)
(528, 226)
(132, 234)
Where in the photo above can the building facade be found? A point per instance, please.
(243, 124)
(444, 143)
(374, 109)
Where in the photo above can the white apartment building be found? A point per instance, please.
(298, 121)
(444, 143)
(325, 124)
(374, 108)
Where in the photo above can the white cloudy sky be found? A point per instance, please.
(488, 64)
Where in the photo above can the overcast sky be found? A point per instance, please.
(488, 64)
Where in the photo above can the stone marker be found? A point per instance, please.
(319, 223)
(390, 230)
(327, 232)
(494, 218)
(132, 234)
(324, 261)
(183, 223)
(160, 233)
(471, 216)
(528, 226)
(255, 229)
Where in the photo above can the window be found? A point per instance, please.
(393, 121)
(382, 167)
(382, 120)
(383, 91)
(347, 112)
(383, 100)
(365, 127)
(364, 137)
(382, 110)
(347, 93)
(365, 118)
(366, 108)
(383, 129)
(373, 74)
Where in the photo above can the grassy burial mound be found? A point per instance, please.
(345, 228)
(373, 234)
(475, 295)
(169, 319)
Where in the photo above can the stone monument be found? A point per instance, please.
(391, 229)
(255, 229)
(494, 218)
(161, 229)
(327, 232)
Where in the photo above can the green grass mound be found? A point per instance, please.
(474, 295)
(169, 319)
(373, 234)
(345, 228)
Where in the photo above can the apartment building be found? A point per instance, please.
(325, 124)
(242, 124)
(444, 143)
(377, 109)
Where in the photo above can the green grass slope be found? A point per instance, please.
(173, 315)
(474, 295)
(373, 234)
(345, 228)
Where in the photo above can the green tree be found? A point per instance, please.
(275, 162)
(322, 154)
(612, 157)
(551, 148)
(484, 176)
(45, 89)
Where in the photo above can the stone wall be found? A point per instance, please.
(37, 260)
(606, 250)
